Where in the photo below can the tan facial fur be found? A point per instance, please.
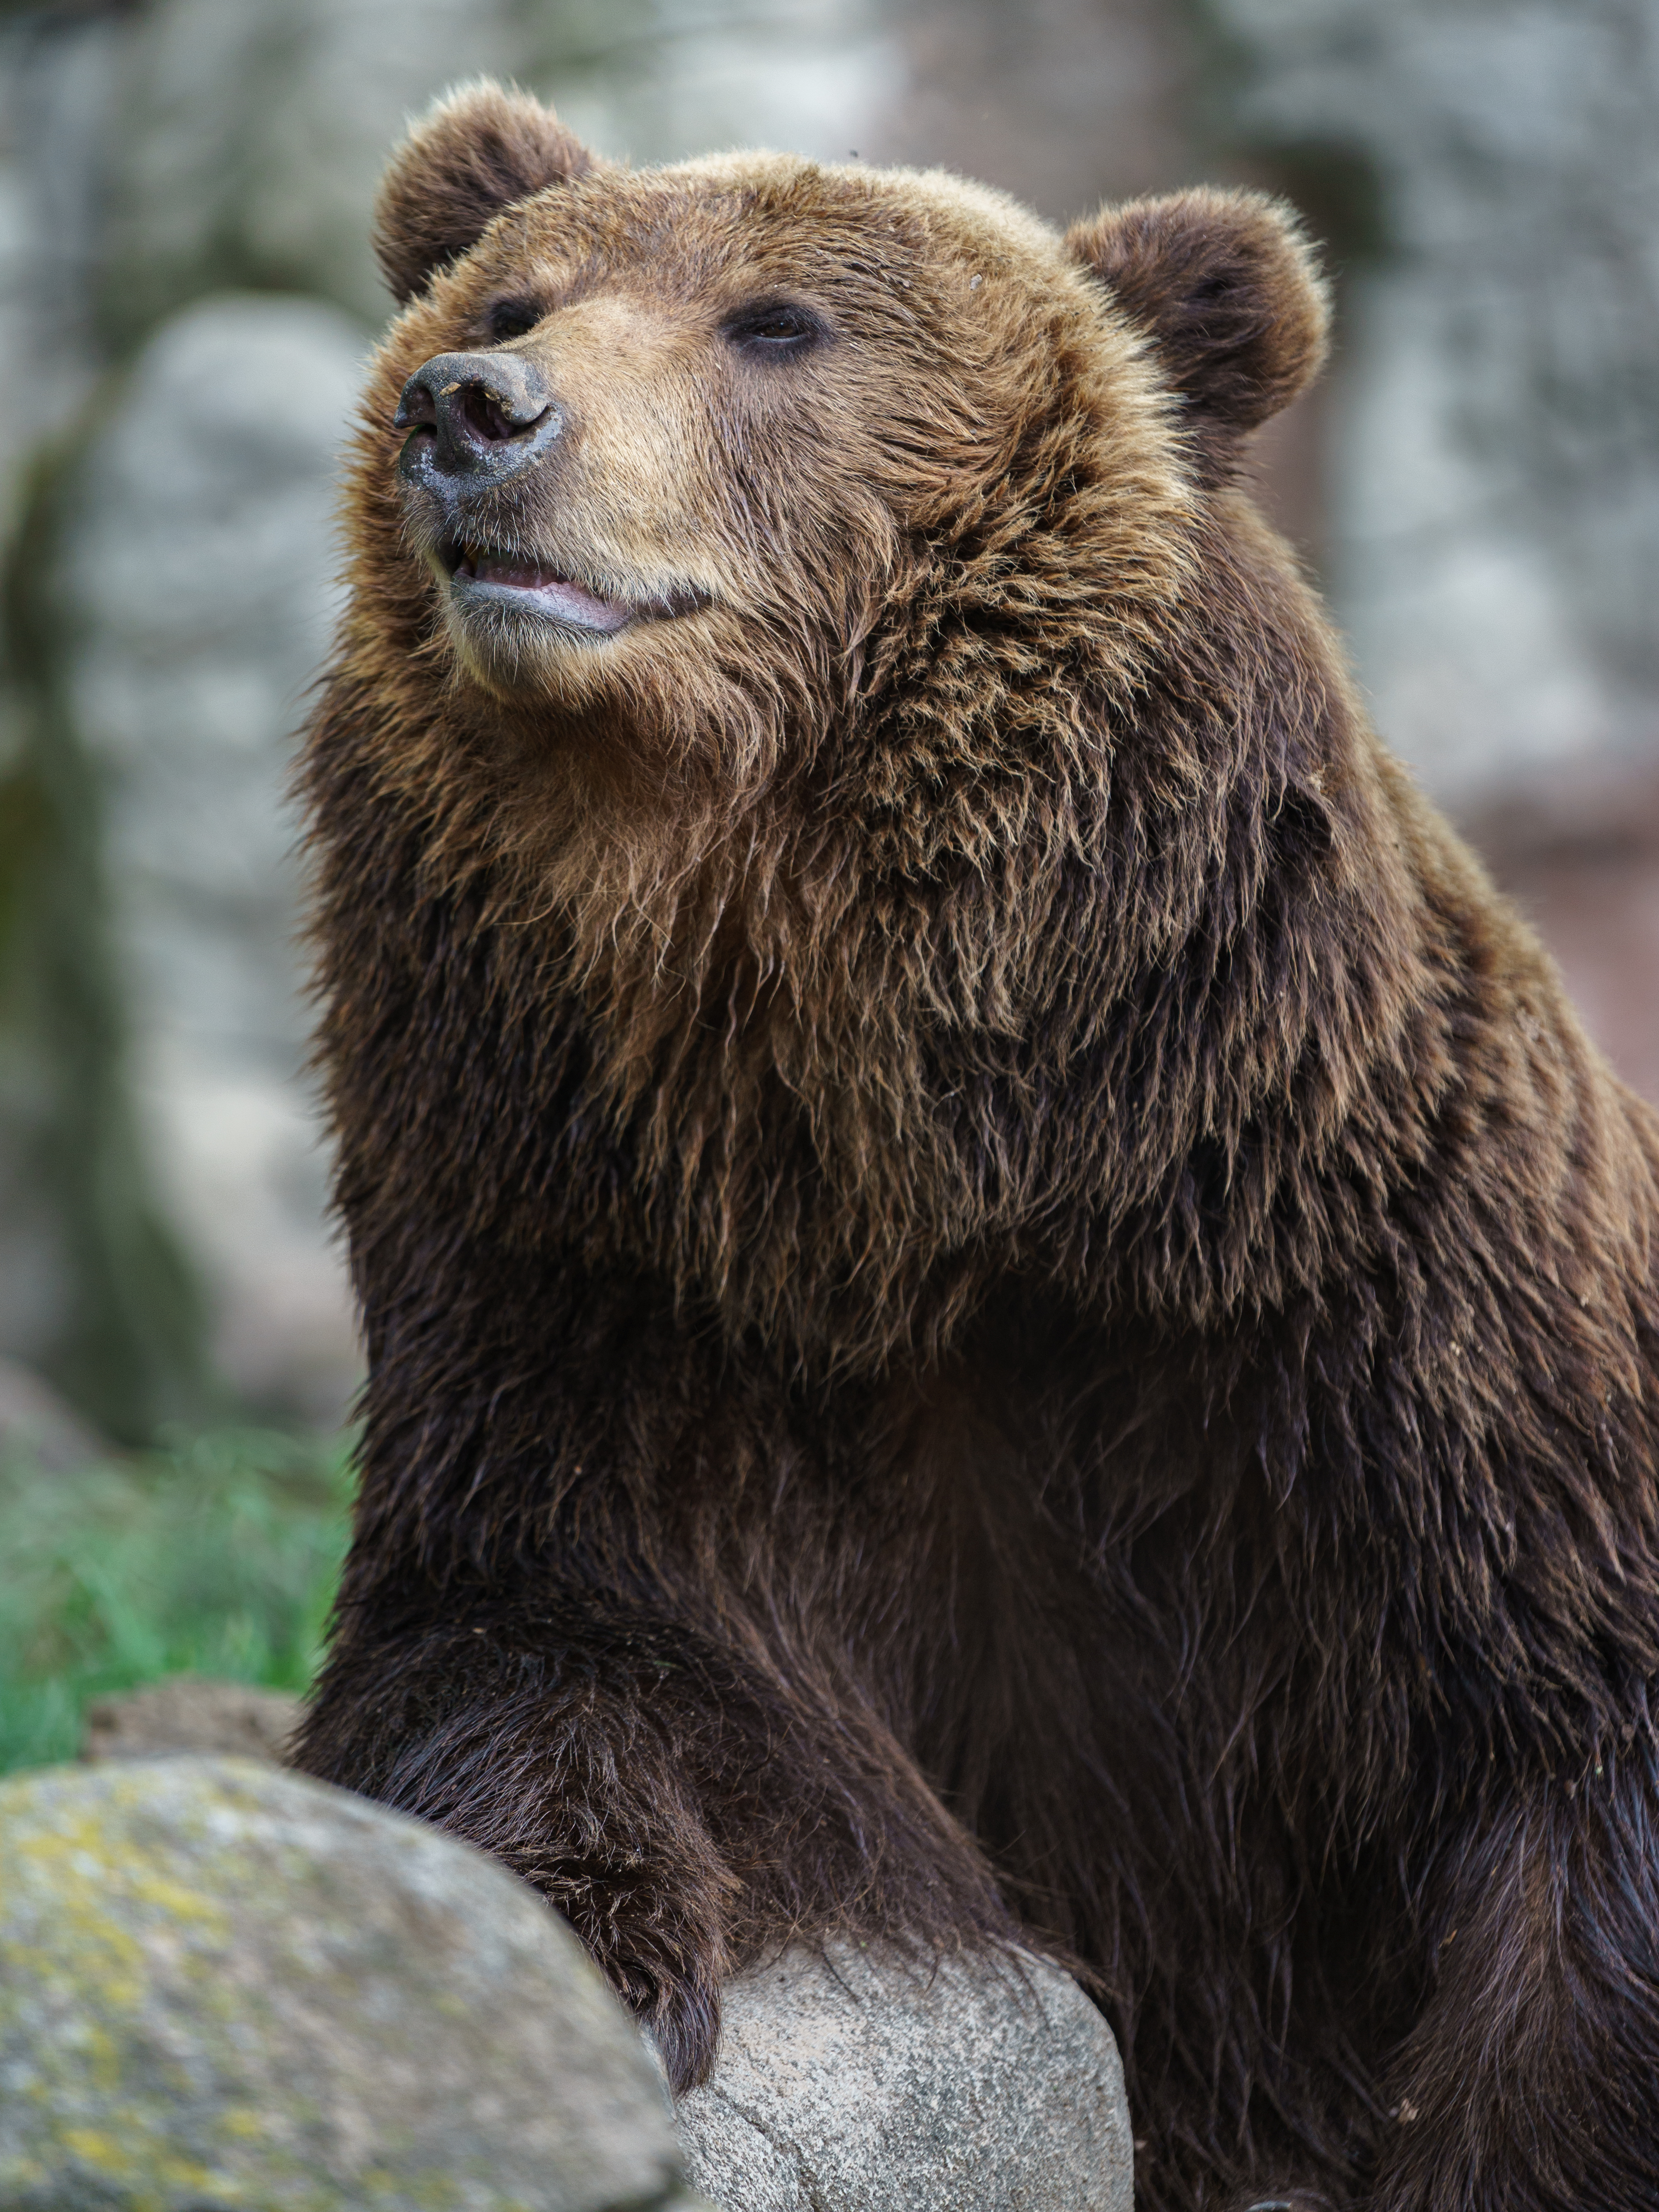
(765, 514)
(614, 504)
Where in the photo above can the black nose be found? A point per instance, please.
(480, 415)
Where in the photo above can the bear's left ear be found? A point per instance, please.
(473, 153)
(1225, 285)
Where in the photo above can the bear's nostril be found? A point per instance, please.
(481, 415)
(416, 408)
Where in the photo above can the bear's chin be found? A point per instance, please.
(522, 645)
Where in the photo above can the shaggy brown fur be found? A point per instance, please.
(1002, 1299)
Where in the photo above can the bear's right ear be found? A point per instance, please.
(473, 153)
(1225, 285)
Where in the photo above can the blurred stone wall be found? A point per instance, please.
(1064, 103)
(1493, 478)
(187, 299)
(186, 296)
(1487, 173)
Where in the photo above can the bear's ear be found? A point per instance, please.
(1225, 285)
(473, 153)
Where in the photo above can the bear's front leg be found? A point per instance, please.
(1530, 2082)
(612, 1612)
(686, 1806)
(570, 1750)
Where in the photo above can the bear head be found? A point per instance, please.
(753, 478)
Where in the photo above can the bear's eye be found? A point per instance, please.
(773, 327)
(511, 319)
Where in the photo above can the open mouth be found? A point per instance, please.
(488, 576)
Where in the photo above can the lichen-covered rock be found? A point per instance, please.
(850, 2083)
(191, 1712)
(225, 1986)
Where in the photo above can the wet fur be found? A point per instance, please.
(1002, 1298)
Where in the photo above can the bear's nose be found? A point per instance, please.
(480, 414)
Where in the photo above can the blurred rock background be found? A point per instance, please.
(186, 297)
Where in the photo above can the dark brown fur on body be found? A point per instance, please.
(1002, 1298)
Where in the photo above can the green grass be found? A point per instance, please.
(218, 1556)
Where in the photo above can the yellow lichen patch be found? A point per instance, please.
(90, 1908)
(124, 2158)
(61, 1877)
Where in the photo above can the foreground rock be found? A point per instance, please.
(191, 1712)
(222, 1985)
(226, 1986)
(853, 2084)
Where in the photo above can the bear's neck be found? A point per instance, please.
(837, 1104)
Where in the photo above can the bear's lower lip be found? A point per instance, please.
(488, 577)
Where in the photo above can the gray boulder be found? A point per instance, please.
(246, 137)
(223, 1987)
(857, 2083)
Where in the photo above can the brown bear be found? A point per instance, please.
(1003, 1303)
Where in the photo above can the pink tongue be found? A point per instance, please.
(570, 599)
